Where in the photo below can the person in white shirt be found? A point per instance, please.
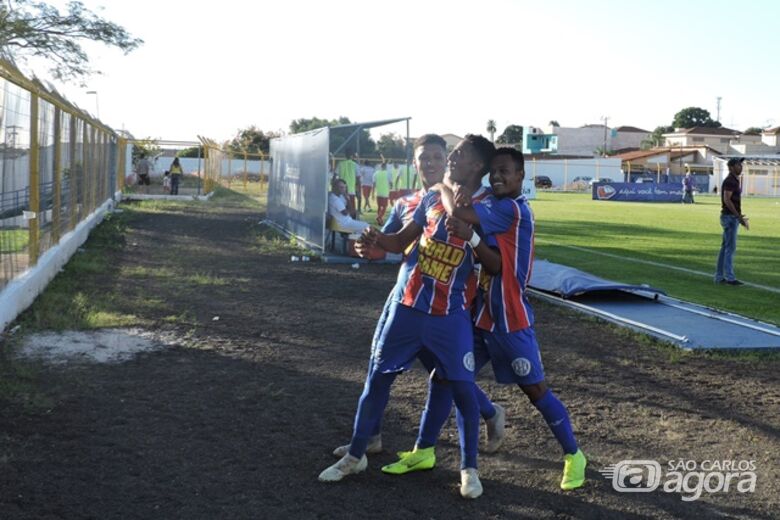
(337, 208)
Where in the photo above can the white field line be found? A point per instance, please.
(656, 264)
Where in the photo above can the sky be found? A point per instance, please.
(213, 68)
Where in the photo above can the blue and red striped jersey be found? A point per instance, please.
(436, 274)
(502, 303)
(403, 211)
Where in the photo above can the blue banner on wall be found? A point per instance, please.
(638, 192)
(298, 184)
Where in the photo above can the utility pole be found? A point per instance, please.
(605, 119)
(717, 118)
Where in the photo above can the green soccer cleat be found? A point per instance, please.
(573, 471)
(417, 460)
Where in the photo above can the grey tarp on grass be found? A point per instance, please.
(569, 282)
(689, 325)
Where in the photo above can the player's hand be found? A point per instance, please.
(368, 238)
(458, 228)
(462, 196)
(745, 222)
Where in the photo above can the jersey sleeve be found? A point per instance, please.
(495, 215)
(394, 222)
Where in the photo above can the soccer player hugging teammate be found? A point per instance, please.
(504, 318)
(429, 313)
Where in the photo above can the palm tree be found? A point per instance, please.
(491, 129)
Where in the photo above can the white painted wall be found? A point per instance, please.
(190, 165)
(563, 171)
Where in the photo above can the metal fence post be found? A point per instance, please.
(33, 223)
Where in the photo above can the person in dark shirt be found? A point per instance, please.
(730, 219)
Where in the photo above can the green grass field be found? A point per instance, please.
(574, 230)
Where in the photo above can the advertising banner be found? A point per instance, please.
(638, 192)
(298, 184)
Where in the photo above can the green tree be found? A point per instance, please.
(656, 139)
(491, 129)
(252, 140)
(338, 135)
(391, 146)
(193, 152)
(147, 147)
(694, 116)
(753, 130)
(512, 134)
(554, 122)
(30, 29)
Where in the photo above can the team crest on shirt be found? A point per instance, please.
(521, 366)
(468, 361)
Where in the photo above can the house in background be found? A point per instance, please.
(717, 138)
(535, 141)
(589, 140)
(674, 162)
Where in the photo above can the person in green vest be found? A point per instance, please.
(382, 191)
(176, 173)
(347, 170)
(406, 180)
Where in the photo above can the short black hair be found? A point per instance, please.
(735, 161)
(514, 153)
(485, 149)
(430, 139)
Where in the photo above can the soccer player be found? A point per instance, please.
(406, 180)
(430, 159)
(382, 191)
(504, 316)
(429, 311)
(367, 183)
(347, 170)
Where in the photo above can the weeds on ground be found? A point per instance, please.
(69, 303)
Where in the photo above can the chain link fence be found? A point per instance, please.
(57, 165)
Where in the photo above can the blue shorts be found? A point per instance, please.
(408, 333)
(425, 356)
(515, 355)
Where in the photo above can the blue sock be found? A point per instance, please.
(486, 408)
(371, 406)
(557, 419)
(437, 410)
(468, 421)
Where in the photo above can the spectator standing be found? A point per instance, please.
(142, 169)
(176, 173)
(689, 184)
(731, 218)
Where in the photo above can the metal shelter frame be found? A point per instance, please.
(372, 124)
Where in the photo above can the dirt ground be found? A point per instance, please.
(238, 418)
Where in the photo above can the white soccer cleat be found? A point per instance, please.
(495, 430)
(470, 486)
(347, 465)
(374, 447)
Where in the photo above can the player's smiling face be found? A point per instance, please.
(505, 179)
(431, 161)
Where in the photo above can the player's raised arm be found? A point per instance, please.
(488, 257)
